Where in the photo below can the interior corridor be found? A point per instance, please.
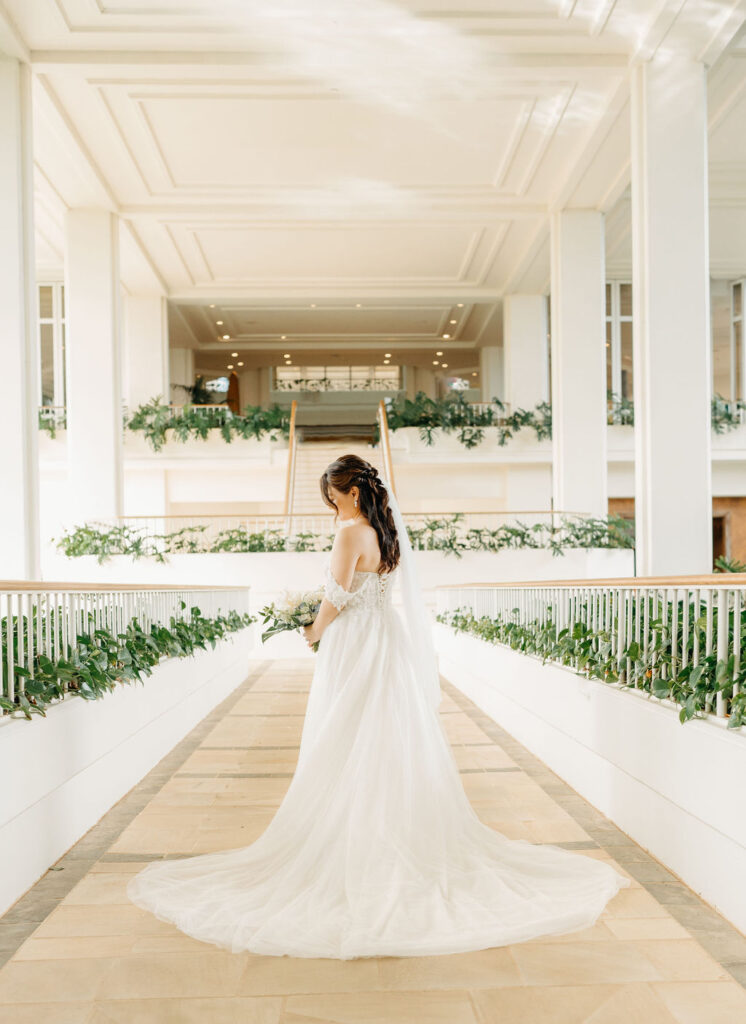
(75, 950)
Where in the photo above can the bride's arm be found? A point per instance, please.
(345, 556)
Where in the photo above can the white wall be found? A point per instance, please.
(672, 788)
(69, 768)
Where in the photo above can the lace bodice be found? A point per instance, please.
(370, 591)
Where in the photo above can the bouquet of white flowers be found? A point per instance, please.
(292, 611)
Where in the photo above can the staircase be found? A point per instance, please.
(312, 458)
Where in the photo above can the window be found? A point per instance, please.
(737, 355)
(337, 378)
(51, 326)
(619, 339)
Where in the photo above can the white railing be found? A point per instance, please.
(45, 619)
(209, 411)
(645, 629)
(481, 408)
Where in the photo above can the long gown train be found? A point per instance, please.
(375, 849)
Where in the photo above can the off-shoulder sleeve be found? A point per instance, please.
(337, 595)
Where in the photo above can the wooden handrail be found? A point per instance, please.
(383, 430)
(717, 579)
(290, 474)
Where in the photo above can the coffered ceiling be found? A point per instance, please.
(380, 161)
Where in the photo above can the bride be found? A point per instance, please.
(375, 849)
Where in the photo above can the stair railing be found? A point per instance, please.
(385, 442)
(292, 453)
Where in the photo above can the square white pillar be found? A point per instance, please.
(94, 392)
(19, 465)
(578, 363)
(671, 345)
(492, 373)
(145, 349)
(181, 372)
(526, 348)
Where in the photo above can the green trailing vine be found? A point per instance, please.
(657, 669)
(96, 661)
(158, 422)
(438, 533)
(454, 414)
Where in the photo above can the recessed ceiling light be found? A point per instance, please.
(226, 337)
(283, 337)
(240, 364)
(234, 354)
(453, 321)
(436, 362)
(313, 305)
(438, 353)
(358, 305)
(446, 336)
(387, 355)
(445, 366)
(460, 305)
(474, 373)
(286, 356)
(219, 323)
(230, 366)
(212, 305)
(386, 362)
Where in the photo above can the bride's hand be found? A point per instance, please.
(309, 636)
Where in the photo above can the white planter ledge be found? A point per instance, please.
(674, 788)
(65, 771)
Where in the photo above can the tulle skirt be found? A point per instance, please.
(375, 849)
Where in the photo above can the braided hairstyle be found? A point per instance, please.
(350, 471)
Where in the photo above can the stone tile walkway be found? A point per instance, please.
(75, 951)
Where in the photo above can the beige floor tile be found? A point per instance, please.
(279, 975)
(380, 1008)
(69, 920)
(583, 963)
(681, 960)
(646, 928)
(487, 968)
(53, 981)
(634, 903)
(48, 1013)
(164, 976)
(461, 729)
(188, 1011)
(270, 703)
(703, 1002)
(75, 947)
(571, 1004)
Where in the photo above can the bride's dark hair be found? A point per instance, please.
(350, 471)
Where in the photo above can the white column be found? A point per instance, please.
(672, 362)
(94, 392)
(526, 348)
(425, 381)
(19, 469)
(145, 349)
(248, 388)
(181, 370)
(492, 373)
(578, 363)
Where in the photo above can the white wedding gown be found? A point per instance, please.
(375, 849)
